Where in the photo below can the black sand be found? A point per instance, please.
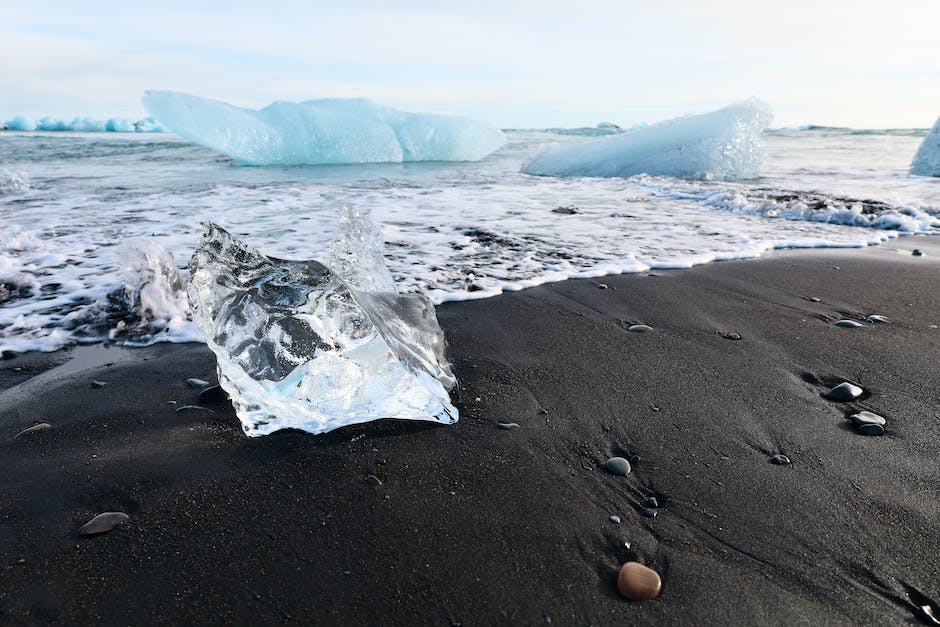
(474, 524)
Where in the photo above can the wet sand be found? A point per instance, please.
(476, 524)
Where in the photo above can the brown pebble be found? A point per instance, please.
(638, 582)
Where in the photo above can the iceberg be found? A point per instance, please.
(322, 132)
(87, 125)
(721, 145)
(22, 123)
(119, 125)
(149, 125)
(927, 160)
(313, 346)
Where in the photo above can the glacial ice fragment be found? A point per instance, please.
(303, 345)
(927, 160)
(22, 123)
(327, 131)
(722, 145)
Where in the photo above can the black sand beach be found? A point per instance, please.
(475, 524)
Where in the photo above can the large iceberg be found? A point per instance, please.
(328, 131)
(927, 160)
(309, 346)
(721, 145)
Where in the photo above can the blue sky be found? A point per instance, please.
(517, 64)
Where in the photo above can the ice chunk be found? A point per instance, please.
(119, 125)
(149, 125)
(305, 346)
(86, 125)
(22, 123)
(328, 131)
(927, 160)
(723, 144)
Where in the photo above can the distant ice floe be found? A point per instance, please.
(927, 160)
(321, 132)
(304, 345)
(721, 145)
(83, 125)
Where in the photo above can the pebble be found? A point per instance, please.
(876, 319)
(103, 523)
(848, 324)
(507, 425)
(633, 459)
(651, 501)
(639, 328)
(197, 383)
(373, 480)
(871, 429)
(815, 299)
(98, 384)
(649, 512)
(615, 520)
(617, 466)
(917, 252)
(638, 582)
(41, 426)
(867, 418)
(602, 286)
(213, 394)
(732, 336)
(8, 355)
(780, 460)
(844, 392)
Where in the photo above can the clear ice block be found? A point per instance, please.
(309, 346)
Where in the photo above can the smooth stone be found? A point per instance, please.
(615, 520)
(815, 299)
(98, 384)
(780, 460)
(617, 466)
(214, 394)
(649, 512)
(651, 501)
(870, 429)
(42, 426)
(602, 286)
(373, 480)
(507, 425)
(103, 523)
(638, 582)
(876, 319)
(917, 252)
(867, 418)
(197, 383)
(8, 355)
(732, 336)
(848, 324)
(639, 328)
(844, 392)
(633, 459)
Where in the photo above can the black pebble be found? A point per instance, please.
(8, 355)
(633, 459)
(781, 460)
(649, 512)
(373, 480)
(651, 501)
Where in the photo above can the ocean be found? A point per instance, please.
(86, 217)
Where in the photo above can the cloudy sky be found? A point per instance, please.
(859, 63)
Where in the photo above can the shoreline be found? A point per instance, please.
(476, 524)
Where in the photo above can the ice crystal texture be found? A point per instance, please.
(927, 160)
(721, 145)
(327, 131)
(313, 346)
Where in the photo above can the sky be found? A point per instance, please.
(860, 63)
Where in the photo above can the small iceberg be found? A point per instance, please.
(927, 160)
(313, 346)
(322, 132)
(721, 145)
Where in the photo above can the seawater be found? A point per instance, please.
(73, 205)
